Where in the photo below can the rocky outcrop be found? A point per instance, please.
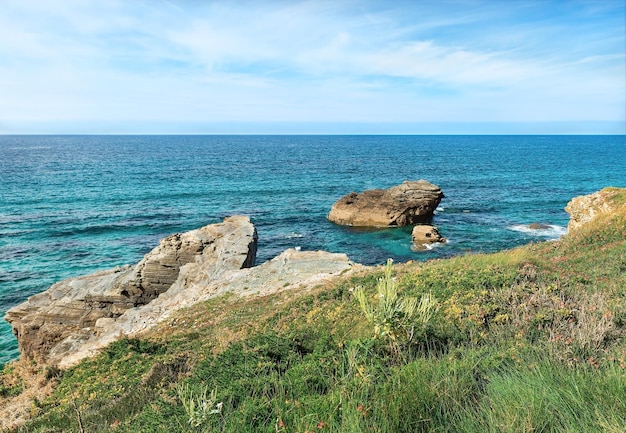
(585, 208)
(78, 317)
(410, 203)
(294, 270)
(74, 309)
(425, 235)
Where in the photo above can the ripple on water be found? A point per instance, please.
(74, 205)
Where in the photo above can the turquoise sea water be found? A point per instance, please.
(70, 205)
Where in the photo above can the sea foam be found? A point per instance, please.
(551, 231)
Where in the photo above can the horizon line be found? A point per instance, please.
(607, 127)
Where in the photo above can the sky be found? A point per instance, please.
(190, 66)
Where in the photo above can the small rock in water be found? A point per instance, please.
(425, 235)
(538, 226)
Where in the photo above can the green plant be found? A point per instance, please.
(199, 404)
(395, 317)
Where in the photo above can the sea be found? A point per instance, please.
(73, 204)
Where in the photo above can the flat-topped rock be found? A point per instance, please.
(424, 234)
(411, 202)
(291, 270)
(75, 306)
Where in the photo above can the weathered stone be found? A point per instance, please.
(412, 202)
(424, 235)
(290, 270)
(77, 306)
(585, 208)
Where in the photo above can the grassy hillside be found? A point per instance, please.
(531, 339)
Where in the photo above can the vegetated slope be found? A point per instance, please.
(530, 339)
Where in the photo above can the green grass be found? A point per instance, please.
(541, 395)
(527, 340)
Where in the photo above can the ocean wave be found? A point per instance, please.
(15, 276)
(543, 230)
(428, 247)
(125, 226)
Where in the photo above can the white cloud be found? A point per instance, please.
(307, 61)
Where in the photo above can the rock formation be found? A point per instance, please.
(290, 270)
(412, 202)
(584, 208)
(77, 317)
(424, 235)
(76, 307)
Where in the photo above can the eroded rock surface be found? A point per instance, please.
(411, 202)
(75, 308)
(585, 208)
(424, 235)
(290, 270)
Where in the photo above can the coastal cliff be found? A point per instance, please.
(285, 347)
(584, 209)
(54, 323)
(76, 318)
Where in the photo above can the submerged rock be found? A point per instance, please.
(78, 308)
(410, 203)
(425, 235)
(539, 226)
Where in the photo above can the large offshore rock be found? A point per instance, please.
(412, 202)
(72, 308)
(585, 208)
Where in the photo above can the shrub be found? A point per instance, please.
(394, 317)
(199, 404)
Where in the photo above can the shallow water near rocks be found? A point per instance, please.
(71, 205)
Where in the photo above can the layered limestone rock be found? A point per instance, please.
(412, 202)
(294, 270)
(425, 235)
(76, 307)
(585, 208)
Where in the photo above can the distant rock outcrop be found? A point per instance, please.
(425, 235)
(410, 203)
(585, 208)
(74, 309)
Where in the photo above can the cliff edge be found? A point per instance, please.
(54, 323)
(76, 318)
(586, 208)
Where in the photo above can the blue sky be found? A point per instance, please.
(174, 66)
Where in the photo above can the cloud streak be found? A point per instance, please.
(97, 63)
